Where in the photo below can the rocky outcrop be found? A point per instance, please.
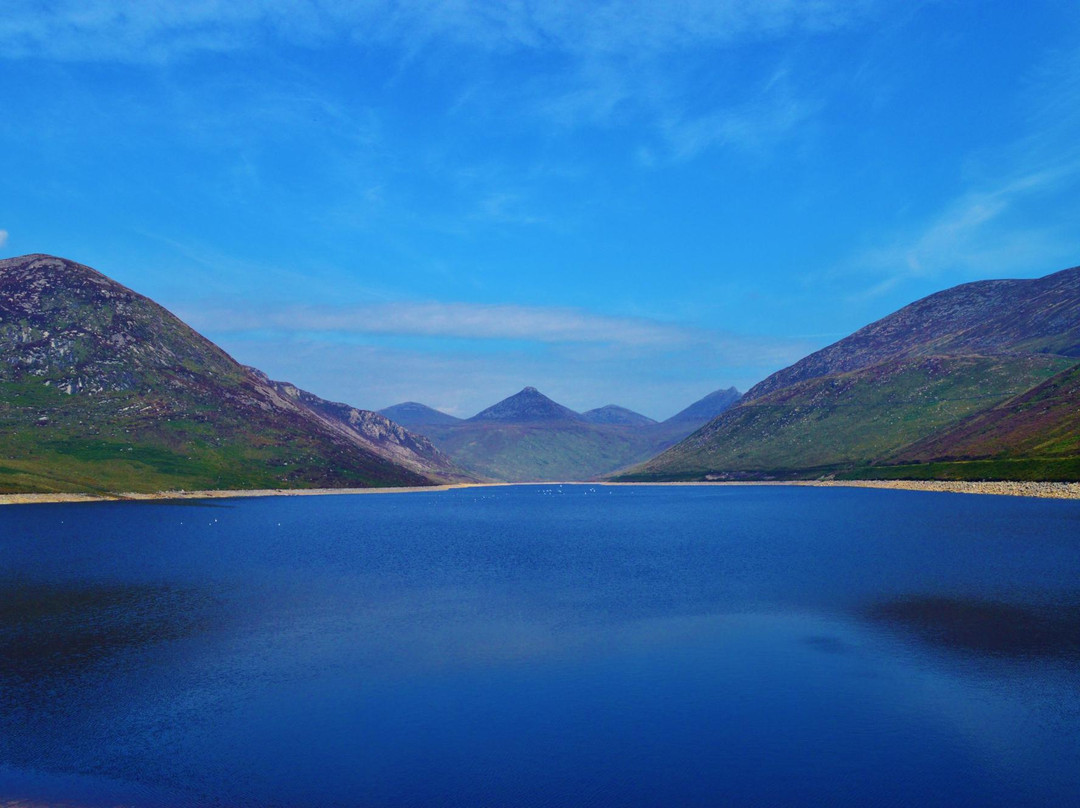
(122, 395)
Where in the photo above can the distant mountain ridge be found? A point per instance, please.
(101, 389)
(529, 437)
(614, 414)
(704, 410)
(411, 450)
(974, 381)
(412, 414)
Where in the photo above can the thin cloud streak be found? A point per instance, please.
(974, 237)
(606, 63)
(966, 236)
(462, 384)
(455, 320)
(751, 127)
(462, 357)
(156, 30)
(986, 230)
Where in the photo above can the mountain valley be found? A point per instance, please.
(103, 390)
(529, 437)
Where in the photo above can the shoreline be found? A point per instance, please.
(165, 496)
(1009, 488)
(1040, 490)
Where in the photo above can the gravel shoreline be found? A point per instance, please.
(157, 496)
(1042, 490)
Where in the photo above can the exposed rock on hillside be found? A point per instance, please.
(103, 389)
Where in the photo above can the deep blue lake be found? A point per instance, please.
(543, 646)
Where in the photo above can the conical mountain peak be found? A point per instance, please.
(528, 406)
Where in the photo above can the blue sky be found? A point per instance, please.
(616, 202)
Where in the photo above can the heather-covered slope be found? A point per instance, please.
(1044, 421)
(823, 426)
(101, 389)
(1033, 436)
(893, 392)
(1041, 315)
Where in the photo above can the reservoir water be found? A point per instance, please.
(543, 646)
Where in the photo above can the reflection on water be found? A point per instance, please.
(50, 630)
(72, 654)
(987, 626)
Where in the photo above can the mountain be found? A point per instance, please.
(613, 414)
(980, 318)
(391, 440)
(529, 437)
(530, 406)
(411, 415)
(705, 409)
(101, 389)
(1035, 435)
(909, 392)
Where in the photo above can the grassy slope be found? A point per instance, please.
(126, 441)
(101, 389)
(1033, 436)
(1042, 422)
(833, 423)
(543, 452)
(1038, 469)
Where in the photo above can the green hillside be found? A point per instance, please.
(127, 441)
(832, 423)
(976, 382)
(532, 452)
(528, 437)
(1033, 436)
(102, 389)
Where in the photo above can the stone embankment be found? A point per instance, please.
(1046, 490)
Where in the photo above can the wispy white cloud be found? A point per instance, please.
(970, 236)
(462, 357)
(1016, 214)
(607, 63)
(3, 237)
(751, 126)
(455, 320)
(138, 30)
(462, 383)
